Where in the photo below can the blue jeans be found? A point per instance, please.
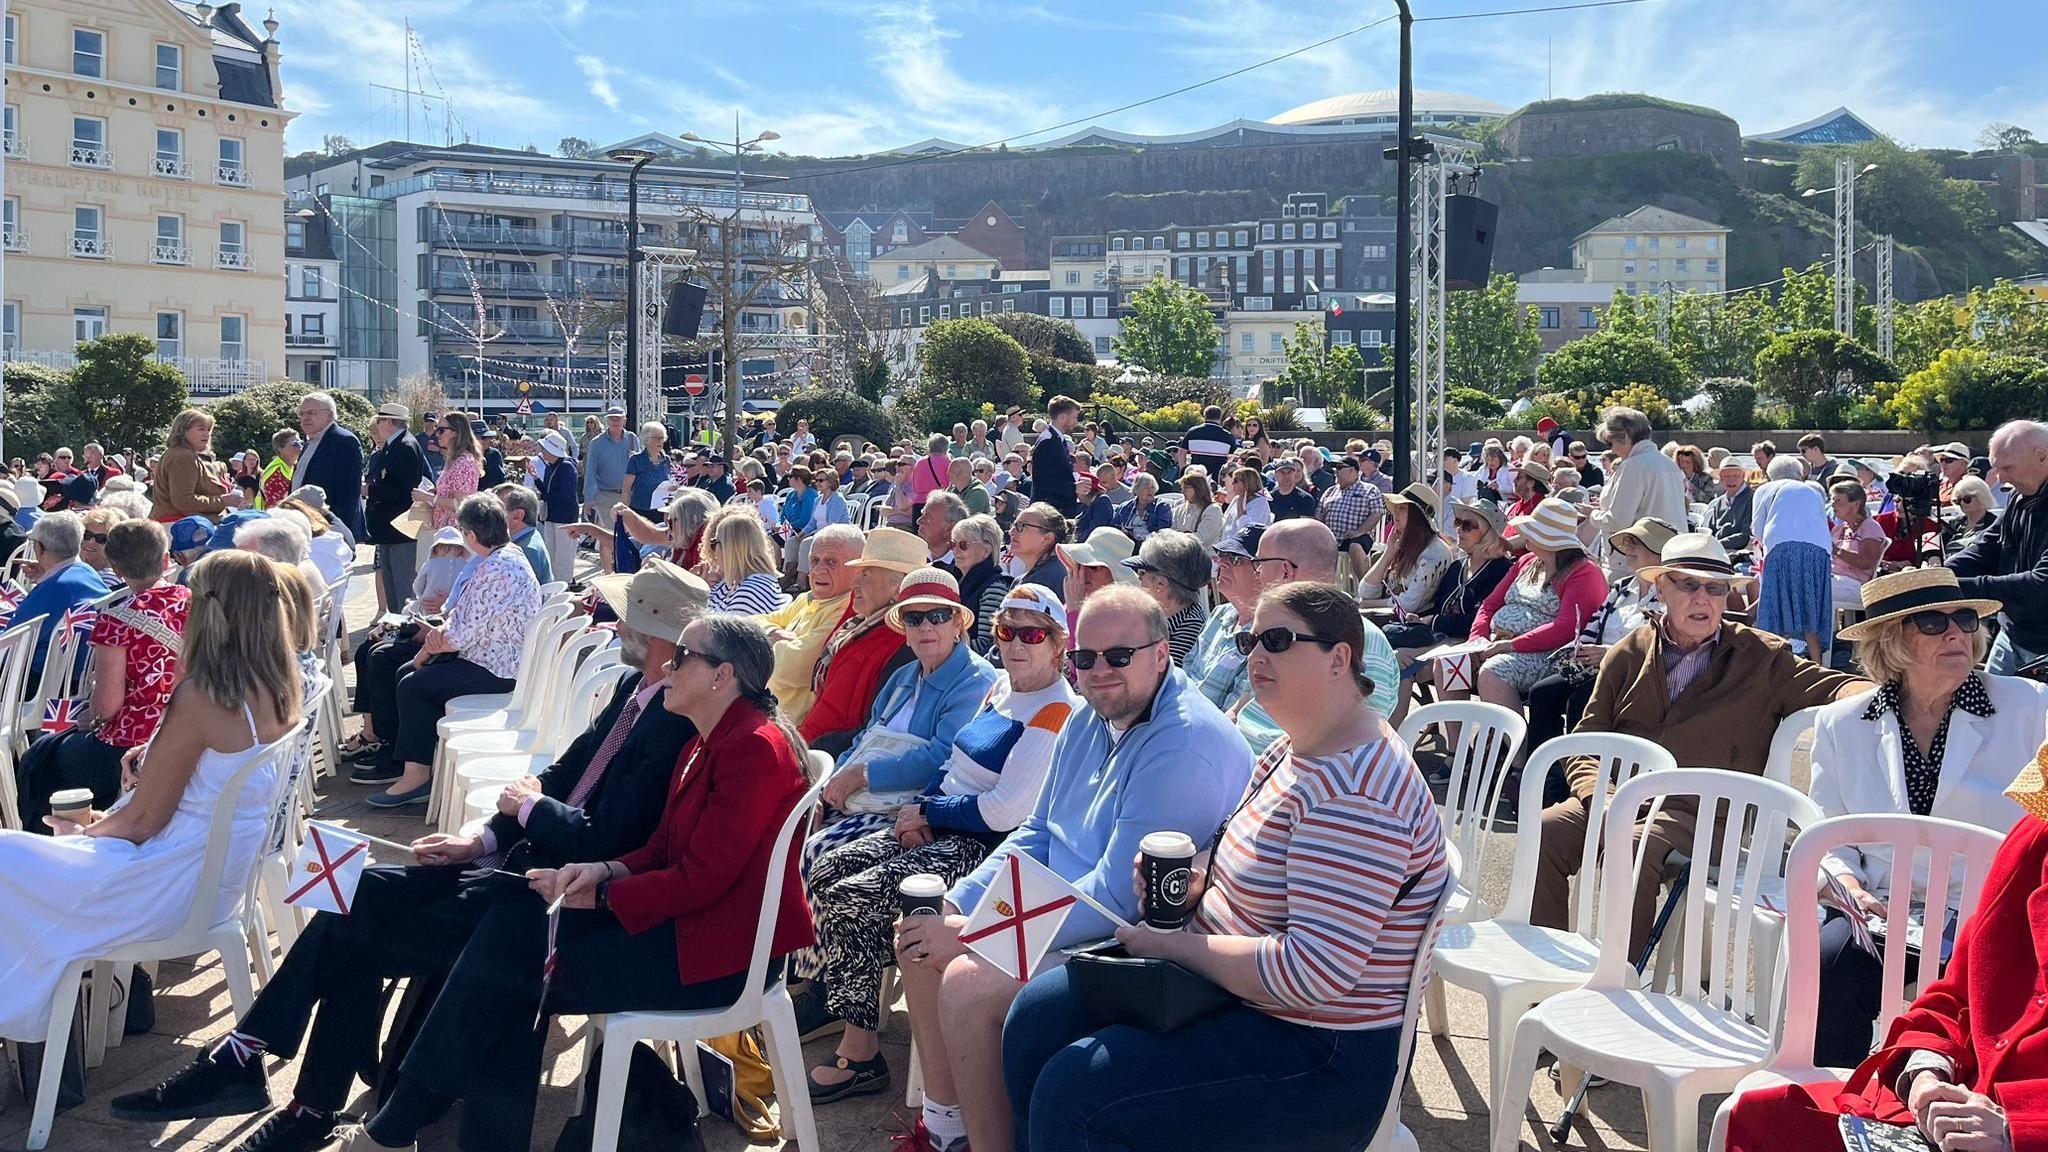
(2007, 658)
(1238, 1080)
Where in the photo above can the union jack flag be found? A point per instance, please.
(82, 619)
(57, 716)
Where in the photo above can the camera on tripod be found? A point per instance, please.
(1916, 494)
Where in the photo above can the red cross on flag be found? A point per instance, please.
(1457, 665)
(328, 868)
(1019, 915)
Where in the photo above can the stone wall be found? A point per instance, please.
(1598, 131)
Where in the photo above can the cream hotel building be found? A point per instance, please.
(144, 173)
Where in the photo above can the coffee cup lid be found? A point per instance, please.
(1167, 843)
(923, 884)
(69, 798)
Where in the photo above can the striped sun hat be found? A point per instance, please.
(928, 588)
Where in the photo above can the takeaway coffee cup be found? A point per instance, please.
(72, 804)
(1166, 864)
(921, 895)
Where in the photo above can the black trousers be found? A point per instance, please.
(410, 922)
(1851, 987)
(1555, 705)
(480, 1043)
(65, 760)
(422, 696)
(378, 663)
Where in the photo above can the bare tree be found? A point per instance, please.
(758, 263)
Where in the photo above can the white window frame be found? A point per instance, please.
(238, 349)
(86, 153)
(1341, 336)
(169, 247)
(171, 163)
(1243, 239)
(175, 341)
(232, 168)
(10, 325)
(88, 322)
(1101, 307)
(97, 56)
(1244, 343)
(1180, 240)
(90, 243)
(1276, 341)
(12, 235)
(1056, 306)
(1371, 338)
(13, 35)
(176, 67)
(1265, 231)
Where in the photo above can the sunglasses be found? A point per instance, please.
(1689, 587)
(1936, 622)
(917, 617)
(99, 538)
(683, 653)
(1467, 525)
(1084, 658)
(1028, 634)
(1275, 640)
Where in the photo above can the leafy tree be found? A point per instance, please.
(1969, 388)
(1630, 315)
(576, 148)
(1151, 391)
(2001, 137)
(1608, 360)
(871, 373)
(42, 412)
(1468, 408)
(1318, 373)
(335, 145)
(2005, 318)
(835, 413)
(1819, 374)
(123, 392)
(1921, 332)
(1062, 359)
(1807, 299)
(1491, 339)
(1734, 402)
(247, 419)
(1713, 337)
(975, 360)
(1169, 330)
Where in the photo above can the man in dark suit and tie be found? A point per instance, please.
(604, 796)
(396, 468)
(332, 461)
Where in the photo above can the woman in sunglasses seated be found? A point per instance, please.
(919, 710)
(1319, 968)
(1937, 738)
(998, 763)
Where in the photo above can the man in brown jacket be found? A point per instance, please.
(1709, 690)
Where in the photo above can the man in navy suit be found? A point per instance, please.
(332, 461)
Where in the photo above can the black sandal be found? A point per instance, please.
(869, 1077)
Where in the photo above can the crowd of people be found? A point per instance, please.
(1031, 637)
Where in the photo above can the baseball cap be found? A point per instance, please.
(1286, 464)
(614, 410)
(1035, 598)
(1372, 454)
(190, 533)
(1242, 542)
(223, 536)
(81, 489)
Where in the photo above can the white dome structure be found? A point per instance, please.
(1383, 105)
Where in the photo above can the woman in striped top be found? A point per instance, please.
(1312, 908)
(740, 563)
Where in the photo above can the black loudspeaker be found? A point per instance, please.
(686, 309)
(1468, 241)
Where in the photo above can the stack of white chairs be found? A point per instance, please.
(1516, 965)
(1694, 1039)
(1392, 1135)
(1942, 841)
(555, 718)
(17, 652)
(198, 935)
(488, 711)
(485, 776)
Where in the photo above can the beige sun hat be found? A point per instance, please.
(1650, 532)
(1104, 548)
(1696, 554)
(929, 588)
(1418, 494)
(660, 600)
(1553, 525)
(1901, 594)
(892, 548)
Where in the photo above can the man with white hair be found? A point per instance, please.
(61, 582)
(2009, 561)
(522, 519)
(332, 461)
(285, 538)
(802, 626)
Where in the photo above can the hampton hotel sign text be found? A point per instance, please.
(86, 184)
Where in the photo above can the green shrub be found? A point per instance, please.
(1281, 418)
(1734, 402)
(1350, 414)
(834, 413)
(248, 418)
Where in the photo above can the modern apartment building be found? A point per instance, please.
(502, 274)
(312, 298)
(1645, 249)
(144, 150)
(1279, 263)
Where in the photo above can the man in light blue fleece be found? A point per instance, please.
(1149, 753)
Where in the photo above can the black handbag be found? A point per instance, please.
(660, 1113)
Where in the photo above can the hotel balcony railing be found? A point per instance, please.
(93, 246)
(14, 145)
(209, 376)
(588, 188)
(14, 240)
(232, 175)
(161, 253)
(233, 260)
(174, 167)
(91, 155)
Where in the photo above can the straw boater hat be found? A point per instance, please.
(2030, 789)
(929, 588)
(1104, 548)
(1694, 554)
(413, 522)
(1553, 525)
(1901, 594)
(1650, 532)
(1420, 495)
(659, 600)
(892, 548)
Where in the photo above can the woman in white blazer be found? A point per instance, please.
(1645, 482)
(1938, 738)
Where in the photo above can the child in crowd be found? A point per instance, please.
(436, 578)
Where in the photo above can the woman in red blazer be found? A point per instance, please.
(669, 927)
(1968, 1061)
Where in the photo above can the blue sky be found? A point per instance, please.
(836, 77)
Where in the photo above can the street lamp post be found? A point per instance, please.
(728, 334)
(1404, 260)
(639, 158)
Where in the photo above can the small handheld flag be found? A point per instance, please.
(58, 715)
(82, 619)
(329, 866)
(1021, 914)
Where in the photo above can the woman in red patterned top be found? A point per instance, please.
(1311, 910)
(135, 665)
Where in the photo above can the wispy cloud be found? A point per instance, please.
(913, 56)
(600, 78)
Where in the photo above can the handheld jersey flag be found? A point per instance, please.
(1021, 914)
(328, 868)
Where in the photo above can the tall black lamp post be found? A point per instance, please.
(639, 158)
(1404, 260)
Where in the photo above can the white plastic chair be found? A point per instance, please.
(1681, 1045)
(281, 842)
(586, 656)
(491, 701)
(530, 698)
(1488, 737)
(552, 589)
(1392, 1135)
(17, 651)
(769, 1007)
(1516, 965)
(1785, 744)
(596, 688)
(198, 935)
(1791, 1061)
(63, 660)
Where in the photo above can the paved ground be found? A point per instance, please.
(1445, 1102)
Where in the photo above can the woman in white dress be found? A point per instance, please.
(126, 875)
